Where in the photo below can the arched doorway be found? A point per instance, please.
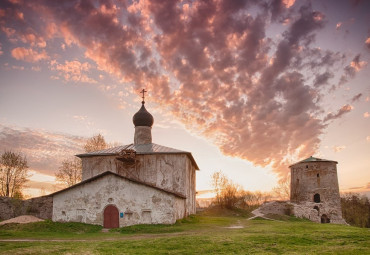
(325, 219)
(316, 198)
(111, 219)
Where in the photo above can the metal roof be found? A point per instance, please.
(140, 149)
(313, 159)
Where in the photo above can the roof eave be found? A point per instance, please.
(306, 162)
(142, 153)
(120, 176)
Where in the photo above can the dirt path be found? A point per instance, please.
(258, 214)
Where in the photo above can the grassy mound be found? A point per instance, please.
(52, 227)
(47, 228)
(218, 211)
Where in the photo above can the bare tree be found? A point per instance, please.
(227, 192)
(282, 191)
(13, 174)
(70, 172)
(232, 195)
(95, 143)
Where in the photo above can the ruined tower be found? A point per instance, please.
(314, 187)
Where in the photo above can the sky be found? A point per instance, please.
(248, 87)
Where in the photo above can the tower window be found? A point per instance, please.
(318, 175)
(316, 198)
(306, 166)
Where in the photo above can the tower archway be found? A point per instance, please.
(325, 219)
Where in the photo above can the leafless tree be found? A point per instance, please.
(70, 172)
(282, 191)
(232, 195)
(95, 143)
(227, 192)
(13, 174)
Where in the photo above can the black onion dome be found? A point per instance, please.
(143, 118)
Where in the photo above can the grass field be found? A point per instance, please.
(200, 234)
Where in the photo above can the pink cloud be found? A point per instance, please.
(350, 70)
(210, 64)
(338, 26)
(343, 110)
(29, 55)
(288, 3)
(367, 42)
(73, 71)
(338, 148)
(366, 115)
(357, 64)
(44, 150)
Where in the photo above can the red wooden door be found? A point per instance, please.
(111, 219)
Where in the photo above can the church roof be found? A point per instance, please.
(313, 159)
(122, 177)
(141, 149)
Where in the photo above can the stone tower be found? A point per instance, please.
(314, 187)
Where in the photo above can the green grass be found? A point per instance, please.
(47, 229)
(200, 234)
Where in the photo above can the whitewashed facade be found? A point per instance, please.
(139, 183)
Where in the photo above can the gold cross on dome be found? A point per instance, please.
(143, 92)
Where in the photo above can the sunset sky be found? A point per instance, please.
(249, 87)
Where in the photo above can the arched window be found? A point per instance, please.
(316, 198)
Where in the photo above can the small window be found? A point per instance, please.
(306, 166)
(316, 198)
(318, 175)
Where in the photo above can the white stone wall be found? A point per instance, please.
(139, 203)
(92, 166)
(173, 172)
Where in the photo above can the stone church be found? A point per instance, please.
(139, 183)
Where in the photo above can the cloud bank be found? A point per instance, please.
(212, 64)
(44, 150)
